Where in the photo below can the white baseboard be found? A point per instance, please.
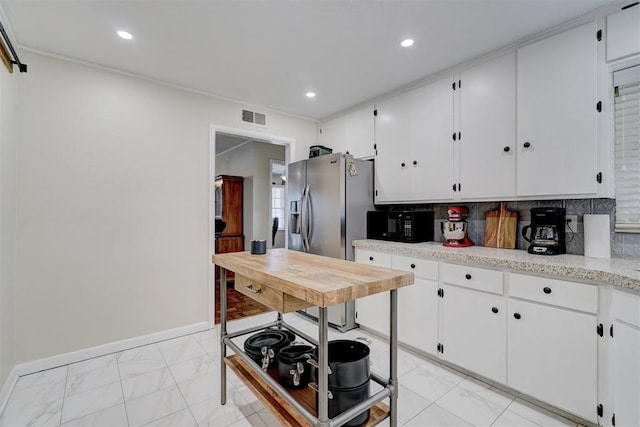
(7, 388)
(91, 352)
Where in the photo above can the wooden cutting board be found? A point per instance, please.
(501, 227)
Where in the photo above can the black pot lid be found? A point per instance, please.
(269, 338)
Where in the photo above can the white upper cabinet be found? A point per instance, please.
(623, 33)
(333, 134)
(359, 132)
(488, 129)
(557, 149)
(393, 182)
(351, 134)
(414, 160)
(431, 129)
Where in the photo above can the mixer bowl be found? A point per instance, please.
(454, 230)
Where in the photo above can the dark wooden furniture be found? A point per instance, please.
(228, 200)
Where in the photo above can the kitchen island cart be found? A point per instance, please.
(287, 281)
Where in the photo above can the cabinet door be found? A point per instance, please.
(418, 304)
(473, 327)
(373, 311)
(623, 33)
(488, 129)
(431, 129)
(393, 179)
(552, 356)
(359, 133)
(626, 375)
(557, 97)
(418, 315)
(333, 134)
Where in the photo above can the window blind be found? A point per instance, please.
(627, 148)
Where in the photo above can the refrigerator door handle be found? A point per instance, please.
(309, 219)
(303, 219)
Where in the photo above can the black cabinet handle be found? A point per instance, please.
(402, 164)
(413, 266)
(546, 290)
(506, 149)
(467, 276)
(517, 315)
(527, 144)
(494, 309)
(370, 258)
(415, 162)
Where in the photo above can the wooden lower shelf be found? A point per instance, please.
(279, 407)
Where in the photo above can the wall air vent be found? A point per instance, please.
(254, 118)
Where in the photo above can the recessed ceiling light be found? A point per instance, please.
(311, 94)
(406, 43)
(125, 35)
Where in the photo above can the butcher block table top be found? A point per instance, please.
(316, 279)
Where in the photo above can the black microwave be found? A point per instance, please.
(400, 226)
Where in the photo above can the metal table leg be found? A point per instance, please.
(323, 362)
(223, 334)
(393, 360)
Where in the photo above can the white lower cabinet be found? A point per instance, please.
(537, 335)
(373, 311)
(418, 304)
(625, 358)
(473, 331)
(552, 356)
(626, 375)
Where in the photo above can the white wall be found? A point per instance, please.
(113, 205)
(8, 144)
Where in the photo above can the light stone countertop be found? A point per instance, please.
(622, 272)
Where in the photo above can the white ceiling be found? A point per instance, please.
(269, 53)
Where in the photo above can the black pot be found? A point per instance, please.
(293, 369)
(263, 347)
(342, 399)
(349, 364)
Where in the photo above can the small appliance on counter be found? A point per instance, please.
(319, 150)
(455, 229)
(547, 231)
(400, 226)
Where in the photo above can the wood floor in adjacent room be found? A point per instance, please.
(238, 305)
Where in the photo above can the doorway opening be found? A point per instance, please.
(242, 206)
(278, 203)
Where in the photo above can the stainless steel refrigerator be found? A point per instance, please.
(329, 197)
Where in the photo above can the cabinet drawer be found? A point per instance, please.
(425, 268)
(578, 296)
(626, 307)
(373, 258)
(272, 298)
(473, 277)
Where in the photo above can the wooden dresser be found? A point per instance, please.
(228, 207)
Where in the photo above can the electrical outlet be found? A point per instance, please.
(572, 224)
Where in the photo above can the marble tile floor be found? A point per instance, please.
(176, 383)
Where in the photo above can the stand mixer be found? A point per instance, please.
(455, 229)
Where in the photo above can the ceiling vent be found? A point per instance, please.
(259, 119)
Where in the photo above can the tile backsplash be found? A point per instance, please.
(622, 244)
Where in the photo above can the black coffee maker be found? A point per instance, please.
(547, 236)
